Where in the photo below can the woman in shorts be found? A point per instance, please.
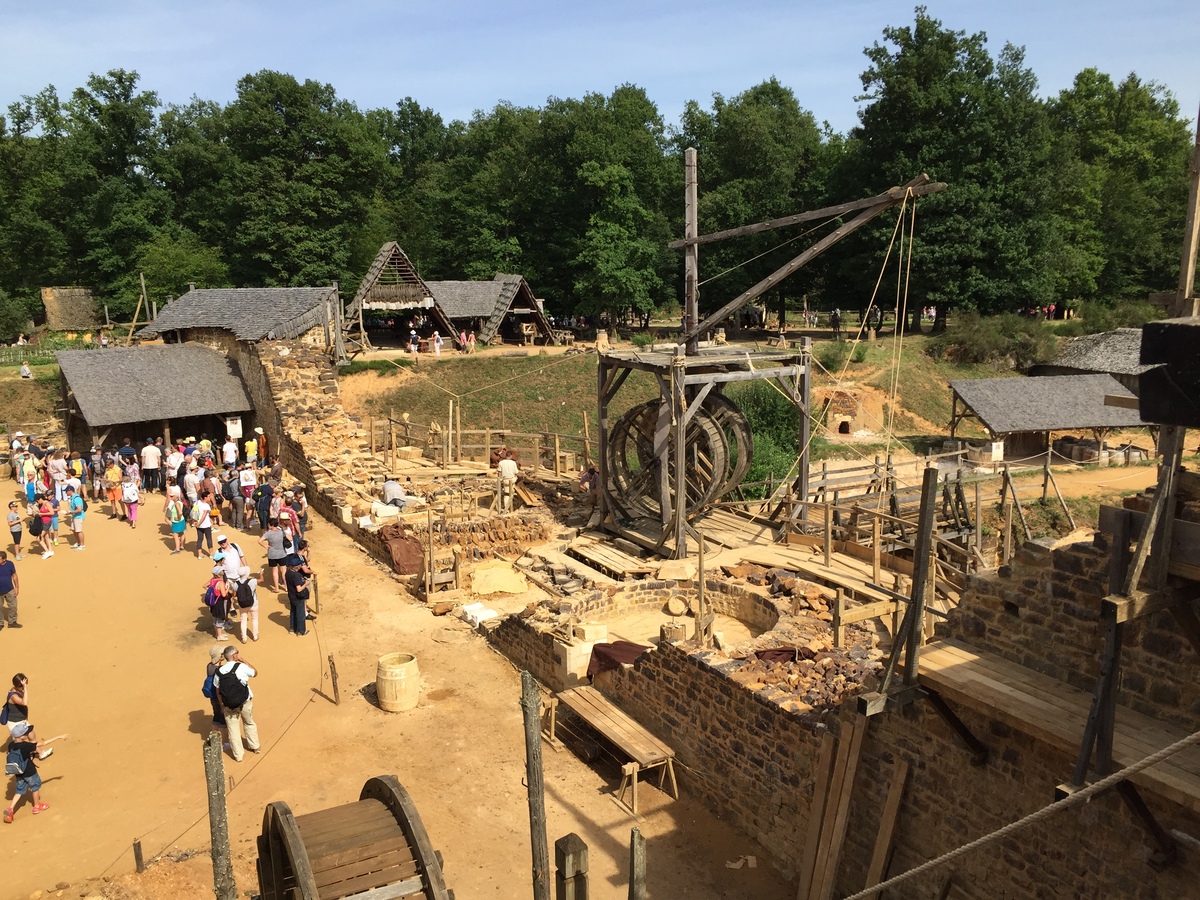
(176, 518)
(273, 540)
(15, 528)
(44, 515)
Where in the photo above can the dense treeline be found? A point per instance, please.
(1080, 196)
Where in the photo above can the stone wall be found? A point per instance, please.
(1096, 850)
(1043, 612)
(741, 753)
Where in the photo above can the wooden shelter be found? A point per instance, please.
(1114, 353)
(1024, 412)
(503, 307)
(249, 314)
(148, 390)
(391, 285)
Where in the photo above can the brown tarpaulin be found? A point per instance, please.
(408, 556)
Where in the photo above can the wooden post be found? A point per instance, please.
(316, 595)
(218, 823)
(922, 554)
(587, 442)
(531, 709)
(503, 427)
(1008, 533)
(392, 444)
(637, 865)
(537, 453)
(839, 610)
(557, 456)
(876, 548)
(691, 258)
(138, 860)
(828, 532)
(979, 518)
(571, 867)
(816, 815)
(1046, 478)
(458, 432)
(487, 448)
(372, 430)
(107, 320)
(337, 697)
(429, 551)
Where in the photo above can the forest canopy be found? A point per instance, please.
(1076, 197)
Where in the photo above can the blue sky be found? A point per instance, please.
(458, 56)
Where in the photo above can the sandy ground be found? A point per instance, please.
(115, 642)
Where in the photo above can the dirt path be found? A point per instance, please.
(115, 643)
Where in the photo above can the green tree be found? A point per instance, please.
(306, 168)
(937, 102)
(172, 261)
(1125, 151)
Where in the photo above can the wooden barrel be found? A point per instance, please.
(397, 682)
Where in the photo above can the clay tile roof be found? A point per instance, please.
(1049, 403)
(1111, 351)
(147, 383)
(252, 314)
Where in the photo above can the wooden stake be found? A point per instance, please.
(557, 456)
(337, 696)
(218, 823)
(587, 442)
(843, 789)
(637, 865)
(458, 433)
(531, 710)
(138, 861)
(429, 562)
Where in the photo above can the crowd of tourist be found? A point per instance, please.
(206, 488)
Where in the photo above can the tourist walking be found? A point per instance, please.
(151, 466)
(23, 754)
(273, 540)
(16, 528)
(232, 682)
(16, 704)
(245, 589)
(77, 510)
(45, 515)
(131, 497)
(10, 588)
(262, 496)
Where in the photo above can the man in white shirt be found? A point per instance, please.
(238, 718)
(151, 466)
(229, 452)
(191, 484)
(507, 470)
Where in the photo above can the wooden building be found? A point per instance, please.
(501, 310)
(392, 291)
(1114, 353)
(213, 315)
(143, 391)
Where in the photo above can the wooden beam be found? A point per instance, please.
(840, 789)
(799, 262)
(816, 813)
(1124, 608)
(887, 823)
(891, 195)
(1121, 401)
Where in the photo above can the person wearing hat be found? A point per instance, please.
(240, 719)
(76, 512)
(236, 558)
(25, 750)
(297, 591)
(10, 588)
(210, 691)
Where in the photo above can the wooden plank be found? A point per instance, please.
(383, 869)
(595, 709)
(836, 837)
(816, 814)
(887, 823)
(409, 889)
(356, 854)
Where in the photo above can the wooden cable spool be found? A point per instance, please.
(378, 844)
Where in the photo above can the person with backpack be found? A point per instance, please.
(175, 515)
(262, 497)
(77, 509)
(131, 496)
(232, 682)
(245, 590)
(202, 519)
(21, 761)
(215, 659)
(298, 594)
(218, 597)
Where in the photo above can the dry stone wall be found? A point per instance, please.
(1043, 612)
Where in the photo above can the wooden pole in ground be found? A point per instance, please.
(139, 861)
(337, 697)
(429, 553)
(531, 710)
(571, 866)
(587, 442)
(372, 430)
(922, 556)
(816, 815)
(218, 822)
(887, 824)
(557, 456)
(691, 258)
(637, 865)
(458, 432)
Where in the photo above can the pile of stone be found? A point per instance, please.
(563, 579)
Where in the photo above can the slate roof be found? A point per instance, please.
(122, 385)
(1048, 403)
(489, 300)
(252, 314)
(1111, 351)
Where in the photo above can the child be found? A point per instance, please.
(23, 753)
(130, 497)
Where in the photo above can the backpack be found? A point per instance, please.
(233, 693)
(210, 593)
(245, 594)
(197, 514)
(229, 489)
(129, 492)
(14, 763)
(207, 690)
(257, 494)
(35, 525)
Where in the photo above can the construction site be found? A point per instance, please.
(867, 688)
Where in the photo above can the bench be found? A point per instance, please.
(644, 749)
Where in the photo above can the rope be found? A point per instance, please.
(747, 262)
(1075, 799)
(901, 324)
